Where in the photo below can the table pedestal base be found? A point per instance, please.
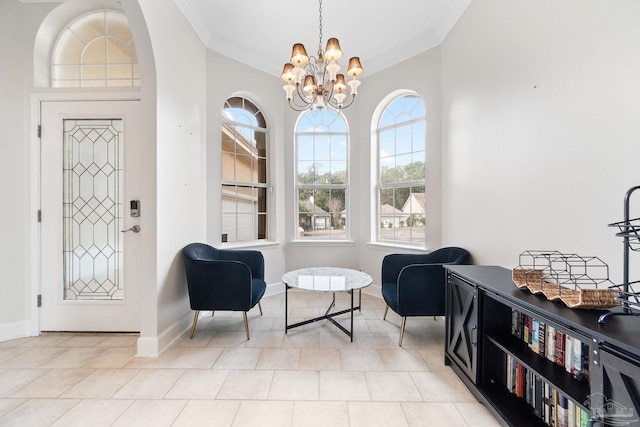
(327, 315)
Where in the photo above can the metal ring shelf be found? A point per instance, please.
(630, 232)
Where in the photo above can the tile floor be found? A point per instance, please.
(312, 376)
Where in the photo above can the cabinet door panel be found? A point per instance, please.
(462, 326)
(615, 399)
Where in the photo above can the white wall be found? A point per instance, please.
(18, 25)
(422, 75)
(180, 64)
(13, 169)
(227, 78)
(540, 127)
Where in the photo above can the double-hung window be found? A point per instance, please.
(244, 172)
(401, 135)
(322, 175)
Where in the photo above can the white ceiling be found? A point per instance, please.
(382, 33)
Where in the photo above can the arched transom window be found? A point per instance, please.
(95, 50)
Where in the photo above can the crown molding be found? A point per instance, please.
(451, 18)
(192, 12)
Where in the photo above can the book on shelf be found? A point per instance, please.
(562, 418)
(535, 336)
(542, 333)
(568, 353)
(560, 348)
(551, 343)
(547, 402)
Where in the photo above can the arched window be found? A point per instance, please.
(95, 50)
(322, 175)
(244, 172)
(401, 134)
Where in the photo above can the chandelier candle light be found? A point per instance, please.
(315, 83)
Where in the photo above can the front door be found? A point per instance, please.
(89, 159)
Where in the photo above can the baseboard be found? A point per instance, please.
(154, 346)
(274, 289)
(13, 330)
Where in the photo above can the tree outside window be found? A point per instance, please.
(322, 175)
(401, 183)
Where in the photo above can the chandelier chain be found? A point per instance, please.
(320, 42)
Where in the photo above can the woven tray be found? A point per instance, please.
(533, 280)
(527, 278)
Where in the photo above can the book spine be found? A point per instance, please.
(537, 407)
(576, 369)
(584, 360)
(568, 353)
(571, 414)
(535, 335)
(563, 406)
(542, 348)
(560, 348)
(551, 343)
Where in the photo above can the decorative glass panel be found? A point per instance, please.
(92, 209)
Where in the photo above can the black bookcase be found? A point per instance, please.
(481, 348)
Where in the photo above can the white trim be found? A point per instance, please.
(450, 18)
(13, 330)
(152, 347)
(37, 98)
(194, 15)
(250, 245)
(318, 242)
(387, 246)
(274, 289)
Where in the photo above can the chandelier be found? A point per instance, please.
(314, 83)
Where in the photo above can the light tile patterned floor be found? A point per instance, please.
(312, 376)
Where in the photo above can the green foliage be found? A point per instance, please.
(407, 173)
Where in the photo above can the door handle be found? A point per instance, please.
(135, 229)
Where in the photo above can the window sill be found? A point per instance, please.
(325, 243)
(250, 245)
(386, 246)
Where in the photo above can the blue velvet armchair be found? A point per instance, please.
(414, 284)
(226, 280)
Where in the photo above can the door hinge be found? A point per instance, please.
(39, 131)
(39, 300)
(39, 215)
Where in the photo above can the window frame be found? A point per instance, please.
(265, 187)
(81, 81)
(378, 186)
(346, 236)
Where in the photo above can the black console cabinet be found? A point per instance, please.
(483, 349)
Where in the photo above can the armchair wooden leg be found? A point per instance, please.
(386, 308)
(195, 321)
(260, 307)
(246, 324)
(212, 313)
(404, 320)
(435, 318)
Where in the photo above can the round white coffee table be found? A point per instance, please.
(326, 279)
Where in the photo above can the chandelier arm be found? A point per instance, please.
(299, 100)
(344, 105)
(295, 107)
